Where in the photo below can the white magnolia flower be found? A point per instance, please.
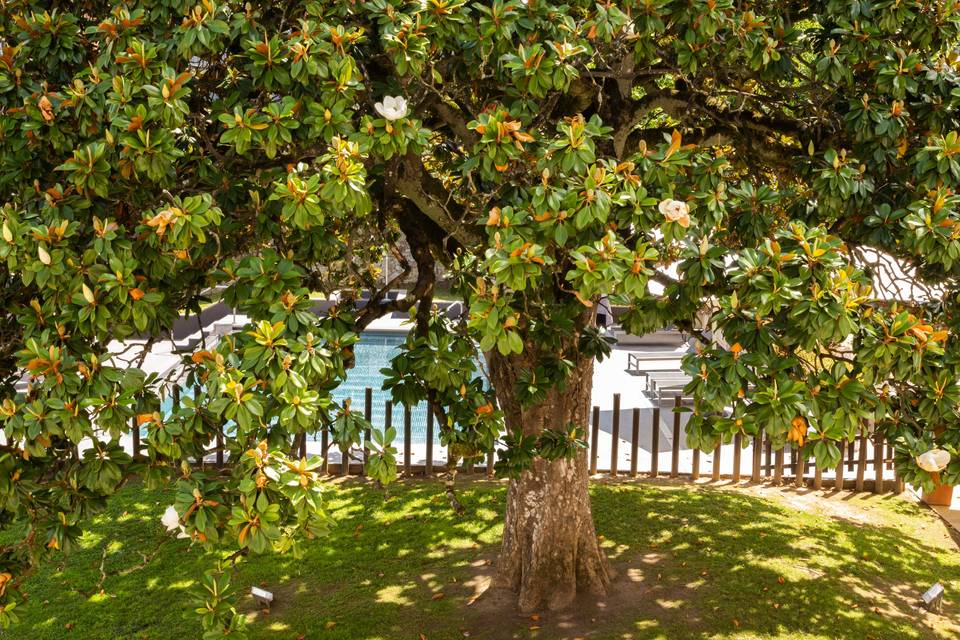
(392, 107)
(676, 211)
(171, 519)
(934, 460)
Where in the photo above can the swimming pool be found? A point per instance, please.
(372, 353)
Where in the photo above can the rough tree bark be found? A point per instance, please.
(550, 552)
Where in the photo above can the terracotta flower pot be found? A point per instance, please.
(942, 494)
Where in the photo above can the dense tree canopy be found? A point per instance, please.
(761, 163)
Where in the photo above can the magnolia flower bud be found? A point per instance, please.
(88, 294)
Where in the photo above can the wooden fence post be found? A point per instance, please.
(407, 439)
(757, 452)
(838, 472)
(715, 477)
(219, 438)
(862, 459)
(324, 448)
(655, 443)
(800, 471)
(635, 442)
(615, 440)
(428, 468)
(388, 416)
(135, 432)
(737, 448)
(345, 462)
(878, 446)
(675, 462)
(368, 416)
(594, 438)
(491, 460)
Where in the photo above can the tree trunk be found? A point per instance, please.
(550, 551)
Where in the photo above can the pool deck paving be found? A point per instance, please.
(950, 513)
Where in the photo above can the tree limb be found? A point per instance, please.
(433, 200)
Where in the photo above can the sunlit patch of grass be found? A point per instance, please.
(398, 562)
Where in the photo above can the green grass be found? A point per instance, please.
(691, 563)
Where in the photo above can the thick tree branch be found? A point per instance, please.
(453, 117)
(433, 200)
(673, 106)
(418, 238)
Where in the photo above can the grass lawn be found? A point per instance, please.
(691, 562)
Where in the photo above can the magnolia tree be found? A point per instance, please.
(764, 163)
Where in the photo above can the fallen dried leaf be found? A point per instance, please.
(437, 596)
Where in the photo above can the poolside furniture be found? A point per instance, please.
(663, 338)
(667, 380)
(637, 360)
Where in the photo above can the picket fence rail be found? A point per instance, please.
(861, 466)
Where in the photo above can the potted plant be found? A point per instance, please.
(934, 461)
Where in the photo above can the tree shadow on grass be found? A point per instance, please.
(389, 552)
(691, 563)
(698, 562)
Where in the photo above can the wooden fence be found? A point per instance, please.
(861, 466)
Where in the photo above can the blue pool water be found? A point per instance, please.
(372, 353)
